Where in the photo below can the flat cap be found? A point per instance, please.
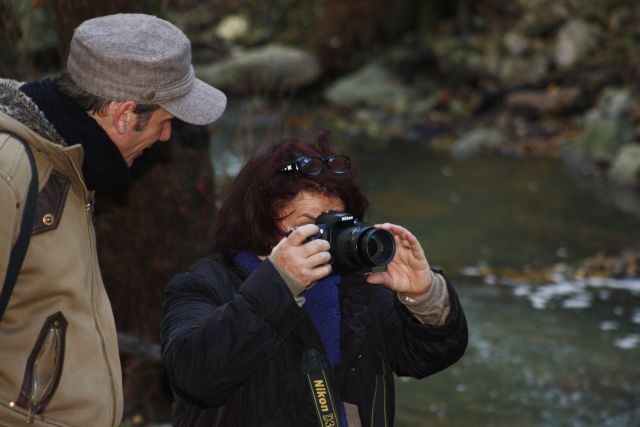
(145, 59)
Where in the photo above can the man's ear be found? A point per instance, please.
(123, 116)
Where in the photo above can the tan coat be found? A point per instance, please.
(59, 360)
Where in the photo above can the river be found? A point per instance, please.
(563, 353)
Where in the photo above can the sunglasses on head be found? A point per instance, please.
(307, 165)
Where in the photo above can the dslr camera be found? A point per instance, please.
(354, 246)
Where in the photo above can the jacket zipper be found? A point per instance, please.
(89, 205)
(380, 387)
(384, 394)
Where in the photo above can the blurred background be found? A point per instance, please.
(504, 134)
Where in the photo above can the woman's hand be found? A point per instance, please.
(300, 264)
(409, 270)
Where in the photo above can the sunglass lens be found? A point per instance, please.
(339, 164)
(310, 165)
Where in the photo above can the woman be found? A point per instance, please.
(261, 333)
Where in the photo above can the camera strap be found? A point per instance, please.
(19, 250)
(314, 368)
(317, 372)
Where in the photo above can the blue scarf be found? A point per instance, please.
(323, 307)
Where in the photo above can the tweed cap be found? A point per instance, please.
(145, 59)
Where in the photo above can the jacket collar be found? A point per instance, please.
(21, 108)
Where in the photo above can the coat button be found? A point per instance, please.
(48, 219)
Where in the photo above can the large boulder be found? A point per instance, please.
(544, 101)
(473, 56)
(510, 60)
(477, 141)
(374, 86)
(607, 126)
(574, 42)
(625, 169)
(271, 68)
(514, 71)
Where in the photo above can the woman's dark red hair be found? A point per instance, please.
(249, 212)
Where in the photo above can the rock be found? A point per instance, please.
(544, 101)
(613, 103)
(373, 86)
(516, 43)
(601, 141)
(456, 55)
(475, 141)
(232, 28)
(574, 41)
(509, 60)
(625, 169)
(267, 69)
(607, 126)
(517, 70)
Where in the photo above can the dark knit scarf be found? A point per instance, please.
(103, 166)
(323, 307)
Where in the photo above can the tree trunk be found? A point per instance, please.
(12, 62)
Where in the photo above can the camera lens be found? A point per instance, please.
(357, 247)
(377, 246)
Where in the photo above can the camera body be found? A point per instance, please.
(354, 245)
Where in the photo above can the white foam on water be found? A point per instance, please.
(629, 342)
(574, 294)
(608, 325)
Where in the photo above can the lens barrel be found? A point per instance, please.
(357, 247)
(376, 247)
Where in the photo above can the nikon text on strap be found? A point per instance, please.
(314, 368)
(22, 243)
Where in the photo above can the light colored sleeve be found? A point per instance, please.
(300, 300)
(433, 307)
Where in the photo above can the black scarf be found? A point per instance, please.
(103, 165)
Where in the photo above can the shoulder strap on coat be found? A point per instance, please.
(22, 243)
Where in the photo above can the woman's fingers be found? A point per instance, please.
(379, 278)
(300, 234)
(318, 259)
(301, 262)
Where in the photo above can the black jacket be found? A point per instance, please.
(232, 345)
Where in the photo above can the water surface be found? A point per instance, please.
(557, 354)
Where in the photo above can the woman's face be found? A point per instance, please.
(305, 208)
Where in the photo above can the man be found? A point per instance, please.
(128, 76)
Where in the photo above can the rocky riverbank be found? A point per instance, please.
(546, 79)
(532, 77)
